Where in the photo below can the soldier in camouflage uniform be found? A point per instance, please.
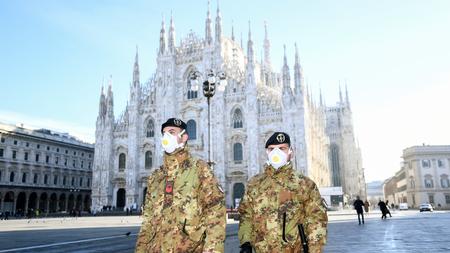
(281, 206)
(184, 208)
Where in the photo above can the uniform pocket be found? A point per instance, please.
(194, 232)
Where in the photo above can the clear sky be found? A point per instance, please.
(393, 55)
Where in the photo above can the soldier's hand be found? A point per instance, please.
(246, 248)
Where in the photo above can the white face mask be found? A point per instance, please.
(170, 142)
(277, 158)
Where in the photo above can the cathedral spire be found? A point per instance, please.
(136, 69)
(298, 74)
(171, 42)
(250, 52)
(218, 25)
(232, 30)
(110, 100)
(266, 47)
(286, 73)
(162, 38)
(320, 94)
(347, 100)
(208, 25)
(102, 104)
(340, 93)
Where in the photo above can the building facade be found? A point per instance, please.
(255, 102)
(43, 170)
(344, 153)
(426, 176)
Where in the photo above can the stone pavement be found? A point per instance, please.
(407, 231)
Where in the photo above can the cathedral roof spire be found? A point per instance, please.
(340, 93)
(171, 42)
(136, 69)
(321, 100)
(266, 47)
(208, 25)
(298, 74)
(232, 30)
(110, 99)
(218, 25)
(347, 100)
(250, 52)
(286, 73)
(162, 38)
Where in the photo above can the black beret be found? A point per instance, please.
(174, 122)
(278, 138)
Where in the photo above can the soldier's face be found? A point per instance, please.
(283, 147)
(175, 131)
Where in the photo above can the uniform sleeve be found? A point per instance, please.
(144, 234)
(212, 200)
(245, 215)
(316, 219)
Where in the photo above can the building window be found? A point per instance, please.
(431, 198)
(35, 178)
(88, 183)
(150, 131)
(447, 199)
(73, 163)
(38, 146)
(47, 159)
(73, 181)
(237, 153)
(56, 160)
(65, 162)
(64, 180)
(191, 129)
(48, 148)
(27, 144)
(25, 157)
(55, 180)
(15, 142)
(237, 118)
(89, 165)
(14, 154)
(3, 140)
(444, 181)
(440, 163)
(81, 181)
(82, 154)
(45, 179)
(57, 150)
(90, 155)
(37, 157)
(1, 152)
(426, 164)
(122, 162)
(428, 181)
(191, 94)
(82, 164)
(148, 160)
(67, 151)
(11, 177)
(1, 175)
(24, 177)
(74, 153)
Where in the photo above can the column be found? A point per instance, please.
(26, 203)
(47, 205)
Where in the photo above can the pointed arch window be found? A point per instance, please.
(191, 129)
(191, 94)
(122, 162)
(237, 118)
(148, 160)
(150, 131)
(237, 153)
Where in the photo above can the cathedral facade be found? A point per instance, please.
(255, 102)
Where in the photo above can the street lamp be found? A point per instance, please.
(209, 89)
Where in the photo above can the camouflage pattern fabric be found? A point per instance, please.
(277, 199)
(184, 208)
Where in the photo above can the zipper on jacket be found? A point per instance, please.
(284, 227)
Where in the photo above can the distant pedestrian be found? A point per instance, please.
(358, 204)
(383, 209)
(366, 206)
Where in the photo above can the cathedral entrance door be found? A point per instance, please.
(120, 198)
(238, 193)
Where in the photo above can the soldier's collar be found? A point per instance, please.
(271, 170)
(179, 155)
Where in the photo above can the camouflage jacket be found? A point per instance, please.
(275, 203)
(184, 208)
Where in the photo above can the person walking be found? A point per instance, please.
(383, 209)
(366, 206)
(282, 210)
(184, 208)
(358, 204)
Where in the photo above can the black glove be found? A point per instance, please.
(246, 248)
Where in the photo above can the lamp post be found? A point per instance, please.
(209, 89)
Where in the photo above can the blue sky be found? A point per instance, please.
(393, 55)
